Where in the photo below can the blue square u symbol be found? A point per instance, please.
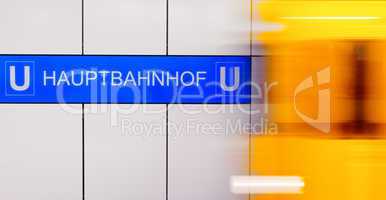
(19, 78)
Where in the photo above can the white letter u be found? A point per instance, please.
(12, 79)
(236, 79)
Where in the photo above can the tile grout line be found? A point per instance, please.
(167, 109)
(82, 27)
(83, 118)
(250, 105)
(167, 27)
(167, 152)
(83, 156)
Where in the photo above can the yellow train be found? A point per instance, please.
(329, 61)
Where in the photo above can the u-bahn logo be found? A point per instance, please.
(229, 75)
(19, 78)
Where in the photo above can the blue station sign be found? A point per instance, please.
(125, 79)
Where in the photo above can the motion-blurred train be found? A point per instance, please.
(328, 59)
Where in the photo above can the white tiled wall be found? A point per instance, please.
(201, 156)
(125, 27)
(40, 27)
(42, 157)
(40, 144)
(125, 152)
(207, 145)
(40, 152)
(215, 27)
